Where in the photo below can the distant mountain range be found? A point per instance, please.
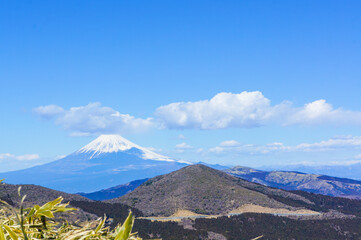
(290, 180)
(107, 161)
(114, 192)
(351, 171)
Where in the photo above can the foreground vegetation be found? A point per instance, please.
(38, 222)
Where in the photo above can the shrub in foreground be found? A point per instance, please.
(38, 222)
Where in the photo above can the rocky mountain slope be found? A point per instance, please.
(322, 184)
(204, 190)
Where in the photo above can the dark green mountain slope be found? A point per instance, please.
(37, 195)
(34, 194)
(250, 225)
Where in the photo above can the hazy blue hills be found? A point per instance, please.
(352, 171)
(114, 192)
(291, 180)
(288, 180)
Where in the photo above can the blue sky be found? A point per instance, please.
(284, 77)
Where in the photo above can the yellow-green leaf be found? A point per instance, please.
(55, 201)
(2, 235)
(257, 237)
(126, 228)
(46, 213)
(3, 202)
(100, 226)
(11, 233)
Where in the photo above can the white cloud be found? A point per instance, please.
(26, 157)
(49, 111)
(344, 163)
(181, 136)
(229, 143)
(60, 157)
(200, 150)
(250, 109)
(153, 149)
(224, 110)
(331, 144)
(295, 165)
(6, 155)
(336, 143)
(217, 149)
(248, 148)
(80, 134)
(246, 109)
(320, 112)
(13, 162)
(94, 119)
(183, 146)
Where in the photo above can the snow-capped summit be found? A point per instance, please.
(116, 143)
(108, 143)
(105, 162)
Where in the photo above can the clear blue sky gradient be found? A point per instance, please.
(135, 56)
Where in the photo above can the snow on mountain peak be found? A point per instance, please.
(107, 144)
(116, 143)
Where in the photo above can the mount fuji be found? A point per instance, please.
(105, 162)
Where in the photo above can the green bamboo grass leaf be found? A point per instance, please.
(3, 202)
(36, 207)
(101, 225)
(54, 202)
(34, 223)
(63, 208)
(11, 232)
(126, 228)
(30, 214)
(46, 213)
(22, 218)
(49, 205)
(2, 235)
(257, 238)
